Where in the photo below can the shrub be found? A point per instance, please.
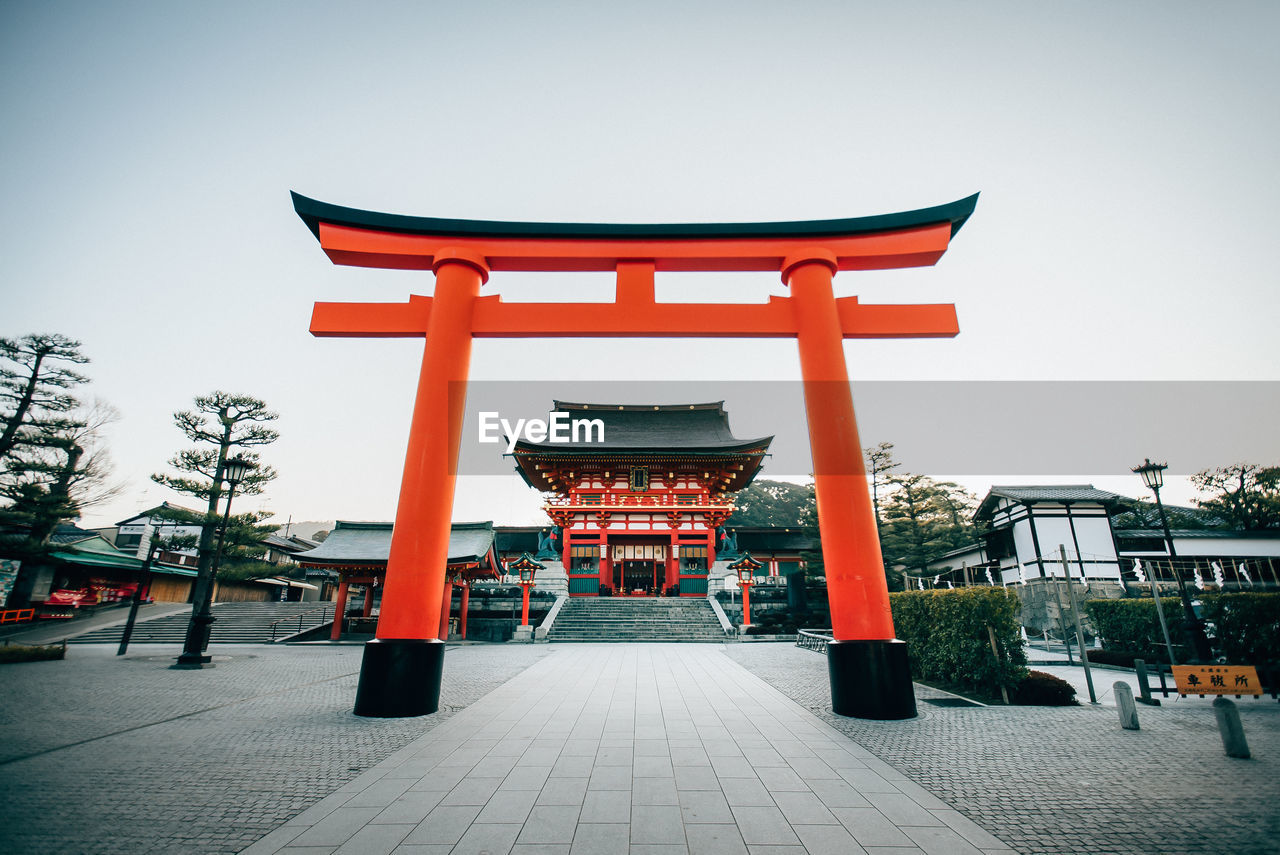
(1246, 626)
(1045, 690)
(32, 652)
(1132, 625)
(947, 638)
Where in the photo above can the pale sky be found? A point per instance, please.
(1126, 156)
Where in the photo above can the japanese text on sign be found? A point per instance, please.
(1217, 680)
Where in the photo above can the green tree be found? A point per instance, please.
(1244, 495)
(880, 464)
(35, 384)
(58, 471)
(219, 424)
(924, 519)
(773, 503)
(51, 476)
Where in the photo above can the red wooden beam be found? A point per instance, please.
(629, 318)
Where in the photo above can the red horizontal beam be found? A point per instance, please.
(629, 318)
(913, 247)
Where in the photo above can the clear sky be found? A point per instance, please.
(1126, 155)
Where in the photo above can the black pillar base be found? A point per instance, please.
(871, 679)
(400, 678)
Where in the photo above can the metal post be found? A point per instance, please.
(1075, 613)
(1195, 628)
(197, 641)
(144, 576)
(1164, 626)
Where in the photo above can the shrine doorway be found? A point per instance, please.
(640, 565)
(640, 575)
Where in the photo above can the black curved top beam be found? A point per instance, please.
(314, 212)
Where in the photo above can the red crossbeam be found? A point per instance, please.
(494, 318)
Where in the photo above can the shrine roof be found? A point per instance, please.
(370, 543)
(1050, 493)
(645, 428)
(314, 212)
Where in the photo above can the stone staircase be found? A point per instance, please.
(637, 619)
(237, 623)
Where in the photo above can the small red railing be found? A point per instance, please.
(17, 615)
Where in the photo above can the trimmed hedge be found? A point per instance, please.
(32, 652)
(1045, 690)
(1133, 626)
(1246, 626)
(946, 634)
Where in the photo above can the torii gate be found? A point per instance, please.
(402, 666)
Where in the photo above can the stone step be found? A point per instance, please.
(235, 623)
(620, 620)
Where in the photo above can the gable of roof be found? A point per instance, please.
(1031, 494)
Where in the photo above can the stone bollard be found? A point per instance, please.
(1124, 702)
(1233, 741)
(1144, 686)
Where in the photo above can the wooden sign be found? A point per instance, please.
(1217, 680)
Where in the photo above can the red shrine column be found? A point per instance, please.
(339, 610)
(400, 675)
(462, 615)
(367, 608)
(444, 611)
(870, 677)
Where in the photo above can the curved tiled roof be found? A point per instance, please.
(684, 428)
(370, 543)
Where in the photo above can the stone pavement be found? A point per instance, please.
(640, 748)
(1068, 779)
(609, 748)
(107, 754)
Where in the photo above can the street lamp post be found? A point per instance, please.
(193, 654)
(746, 579)
(526, 582)
(1153, 476)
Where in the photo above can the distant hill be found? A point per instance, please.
(307, 528)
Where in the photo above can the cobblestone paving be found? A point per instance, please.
(106, 754)
(1068, 779)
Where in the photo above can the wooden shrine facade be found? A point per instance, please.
(638, 509)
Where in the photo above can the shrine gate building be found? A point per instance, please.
(639, 506)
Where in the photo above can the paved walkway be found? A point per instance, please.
(610, 748)
(642, 748)
(1069, 780)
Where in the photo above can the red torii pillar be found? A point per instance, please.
(400, 675)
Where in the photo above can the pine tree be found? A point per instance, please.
(56, 472)
(880, 464)
(923, 519)
(1244, 495)
(219, 423)
(35, 384)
